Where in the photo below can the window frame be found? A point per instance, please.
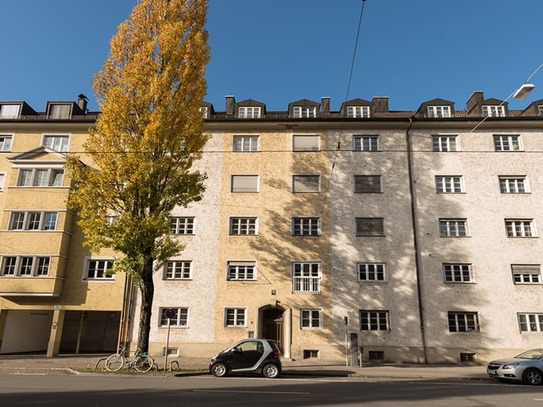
(505, 143)
(442, 143)
(366, 143)
(310, 318)
(177, 270)
(303, 224)
(251, 225)
(98, 272)
(438, 111)
(526, 274)
(249, 112)
(182, 225)
(246, 143)
(374, 320)
(463, 325)
(3, 176)
(371, 276)
(358, 112)
(460, 229)
(25, 266)
(377, 221)
(457, 273)
(234, 268)
(35, 178)
(65, 111)
(306, 277)
(513, 184)
(247, 181)
(63, 139)
(5, 147)
(449, 184)
(311, 143)
(304, 112)
(306, 183)
(24, 220)
(6, 107)
(493, 110)
(181, 319)
(372, 185)
(233, 314)
(512, 228)
(528, 324)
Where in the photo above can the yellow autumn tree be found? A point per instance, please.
(138, 159)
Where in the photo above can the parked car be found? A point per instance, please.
(248, 356)
(526, 367)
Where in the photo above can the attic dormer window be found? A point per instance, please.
(249, 112)
(304, 111)
(204, 111)
(358, 111)
(59, 111)
(439, 111)
(540, 110)
(9, 111)
(494, 111)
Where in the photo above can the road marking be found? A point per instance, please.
(302, 393)
(29, 374)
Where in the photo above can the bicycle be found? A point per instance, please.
(141, 361)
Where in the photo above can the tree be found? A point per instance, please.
(146, 139)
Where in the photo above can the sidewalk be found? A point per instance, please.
(82, 363)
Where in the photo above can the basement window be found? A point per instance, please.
(311, 354)
(376, 355)
(467, 357)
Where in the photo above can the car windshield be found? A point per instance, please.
(531, 354)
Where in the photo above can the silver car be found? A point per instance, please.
(526, 367)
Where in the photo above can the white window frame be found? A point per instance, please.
(520, 228)
(204, 111)
(306, 184)
(238, 270)
(445, 143)
(62, 111)
(178, 270)
(235, 317)
(249, 112)
(507, 142)
(180, 320)
(357, 112)
(463, 321)
(526, 274)
(366, 143)
(245, 184)
(494, 110)
(449, 184)
(374, 320)
(243, 226)
(304, 112)
(98, 275)
(454, 273)
(306, 226)
(306, 277)
(57, 142)
(517, 184)
(54, 177)
(32, 221)
(453, 227)
(182, 225)
(371, 272)
(6, 142)
(540, 110)
(439, 111)
(25, 266)
(3, 177)
(377, 227)
(367, 184)
(246, 143)
(310, 318)
(306, 142)
(529, 322)
(10, 110)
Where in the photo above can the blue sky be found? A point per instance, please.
(283, 50)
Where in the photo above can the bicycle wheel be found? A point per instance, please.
(144, 363)
(114, 363)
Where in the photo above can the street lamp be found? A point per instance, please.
(523, 91)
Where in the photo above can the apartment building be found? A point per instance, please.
(362, 233)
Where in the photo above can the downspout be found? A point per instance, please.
(418, 268)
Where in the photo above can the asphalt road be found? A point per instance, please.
(62, 389)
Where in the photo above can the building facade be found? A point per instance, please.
(356, 234)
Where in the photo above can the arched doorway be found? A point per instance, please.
(274, 323)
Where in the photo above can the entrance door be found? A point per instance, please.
(272, 327)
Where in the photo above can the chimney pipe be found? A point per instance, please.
(230, 102)
(325, 105)
(82, 102)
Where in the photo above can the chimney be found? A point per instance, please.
(379, 103)
(230, 103)
(475, 99)
(82, 102)
(325, 105)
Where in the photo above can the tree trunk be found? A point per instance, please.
(147, 290)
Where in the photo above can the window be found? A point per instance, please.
(520, 228)
(374, 320)
(246, 143)
(2, 181)
(506, 143)
(25, 266)
(366, 143)
(305, 183)
(8, 111)
(244, 183)
(513, 185)
(530, 322)
(243, 226)
(306, 278)
(358, 111)
(59, 111)
(182, 225)
(304, 112)
(370, 227)
(439, 111)
(40, 177)
(305, 143)
(98, 270)
(526, 273)
(444, 143)
(241, 270)
(457, 273)
(310, 318)
(180, 318)
(540, 110)
(204, 110)
(367, 184)
(33, 221)
(305, 226)
(452, 227)
(449, 184)
(5, 142)
(178, 270)
(371, 272)
(57, 143)
(235, 317)
(249, 112)
(494, 111)
(463, 322)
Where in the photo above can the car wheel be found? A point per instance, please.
(219, 370)
(532, 376)
(270, 370)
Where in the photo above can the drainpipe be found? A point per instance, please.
(416, 243)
